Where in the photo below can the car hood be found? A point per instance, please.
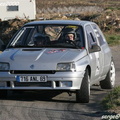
(44, 58)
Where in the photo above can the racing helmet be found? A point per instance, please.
(39, 38)
(69, 31)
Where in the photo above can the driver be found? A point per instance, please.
(70, 36)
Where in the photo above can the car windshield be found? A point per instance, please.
(49, 36)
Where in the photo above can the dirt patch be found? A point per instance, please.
(9, 28)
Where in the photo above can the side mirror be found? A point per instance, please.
(95, 48)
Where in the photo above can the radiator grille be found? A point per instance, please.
(32, 72)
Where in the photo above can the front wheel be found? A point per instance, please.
(109, 81)
(82, 95)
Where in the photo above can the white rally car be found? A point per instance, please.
(41, 57)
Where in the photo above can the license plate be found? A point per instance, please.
(31, 78)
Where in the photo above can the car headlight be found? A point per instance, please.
(4, 66)
(65, 67)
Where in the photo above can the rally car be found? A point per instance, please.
(65, 55)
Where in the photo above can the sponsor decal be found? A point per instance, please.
(55, 51)
(13, 55)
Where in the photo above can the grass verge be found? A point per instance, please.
(112, 39)
(112, 100)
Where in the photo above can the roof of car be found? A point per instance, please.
(61, 22)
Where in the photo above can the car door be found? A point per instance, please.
(105, 53)
(95, 57)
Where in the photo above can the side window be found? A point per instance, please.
(90, 36)
(98, 34)
(18, 38)
(21, 38)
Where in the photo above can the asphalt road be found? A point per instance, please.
(54, 105)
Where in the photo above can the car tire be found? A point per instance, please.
(3, 93)
(82, 95)
(109, 81)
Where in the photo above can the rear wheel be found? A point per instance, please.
(82, 95)
(109, 81)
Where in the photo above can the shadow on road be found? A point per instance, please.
(53, 96)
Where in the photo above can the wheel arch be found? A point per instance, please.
(89, 70)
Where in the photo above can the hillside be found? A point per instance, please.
(75, 6)
(61, 3)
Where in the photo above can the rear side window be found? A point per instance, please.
(98, 34)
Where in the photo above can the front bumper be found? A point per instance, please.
(57, 81)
